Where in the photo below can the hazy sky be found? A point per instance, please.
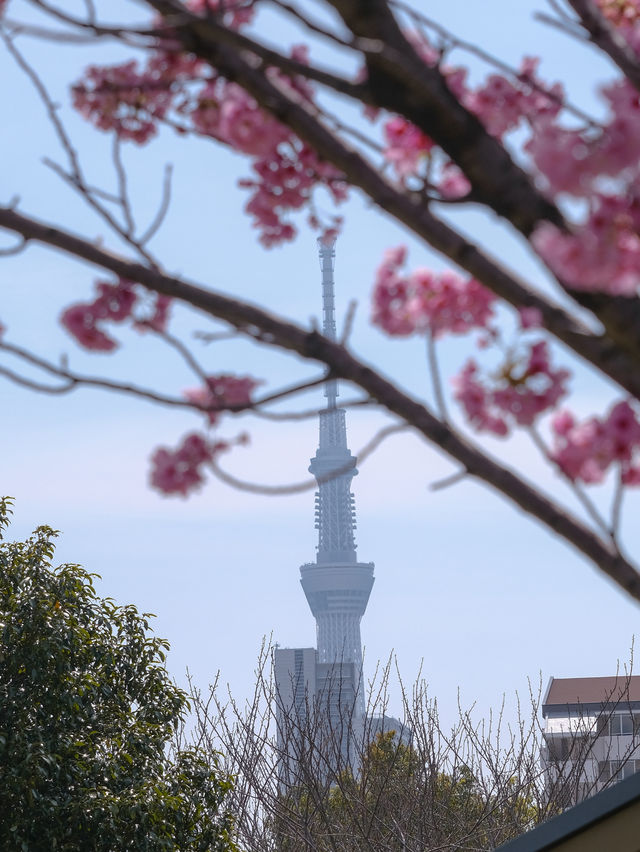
(484, 596)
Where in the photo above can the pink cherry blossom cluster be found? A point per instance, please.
(620, 12)
(221, 393)
(181, 471)
(602, 255)
(114, 303)
(523, 389)
(124, 99)
(406, 146)
(501, 104)
(426, 301)
(586, 451)
(173, 87)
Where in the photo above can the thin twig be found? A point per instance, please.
(436, 378)
(587, 503)
(616, 507)
(454, 479)
(311, 25)
(163, 208)
(123, 189)
(348, 321)
(307, 484)
(11, 250)
(75, 177)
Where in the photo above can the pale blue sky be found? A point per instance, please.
(485, 596)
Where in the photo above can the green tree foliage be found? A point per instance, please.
(88, 714)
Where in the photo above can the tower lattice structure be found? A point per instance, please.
(336, 585)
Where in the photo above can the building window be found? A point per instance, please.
(624, 768)
(621, 724)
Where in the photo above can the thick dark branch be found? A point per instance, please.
(608, 39)
(402, 82)
(312, 345)
(409, 208)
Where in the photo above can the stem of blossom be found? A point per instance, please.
(163, 207)
(449, 480)
(616, 508)
(123, 189)
(348, 322)
(184, 352)
(587, 503)
(436, 379)
(19, 247)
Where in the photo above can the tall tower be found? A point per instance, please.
(336, 585)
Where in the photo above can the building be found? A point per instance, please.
(591, 733)
(321, 690)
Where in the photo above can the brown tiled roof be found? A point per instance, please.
(592, 690)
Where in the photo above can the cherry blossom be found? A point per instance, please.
(406, 146)
(620, 12)
(123, 99)
(83, 321)
(586, 451)
(603, 254)
(221, 393)
(426, 301)
(115, 303)
(501, 104)
(179, 471)
(522, 390)
(530, 318)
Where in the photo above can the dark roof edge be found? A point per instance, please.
(577, 818)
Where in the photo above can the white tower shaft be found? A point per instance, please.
(337, 586)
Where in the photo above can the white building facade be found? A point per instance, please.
(591, 733)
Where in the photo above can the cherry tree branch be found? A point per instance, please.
(314, 346)
(608, 39)
(73, 380)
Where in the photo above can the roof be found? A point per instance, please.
(608, 820)
(592, 690)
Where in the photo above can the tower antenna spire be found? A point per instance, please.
(327, 251)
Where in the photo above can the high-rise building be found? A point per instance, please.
(328, 680)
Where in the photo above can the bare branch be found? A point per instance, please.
(307, 484)
(19, 247)
(163, 207)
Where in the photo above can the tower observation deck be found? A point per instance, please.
(336, 585)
